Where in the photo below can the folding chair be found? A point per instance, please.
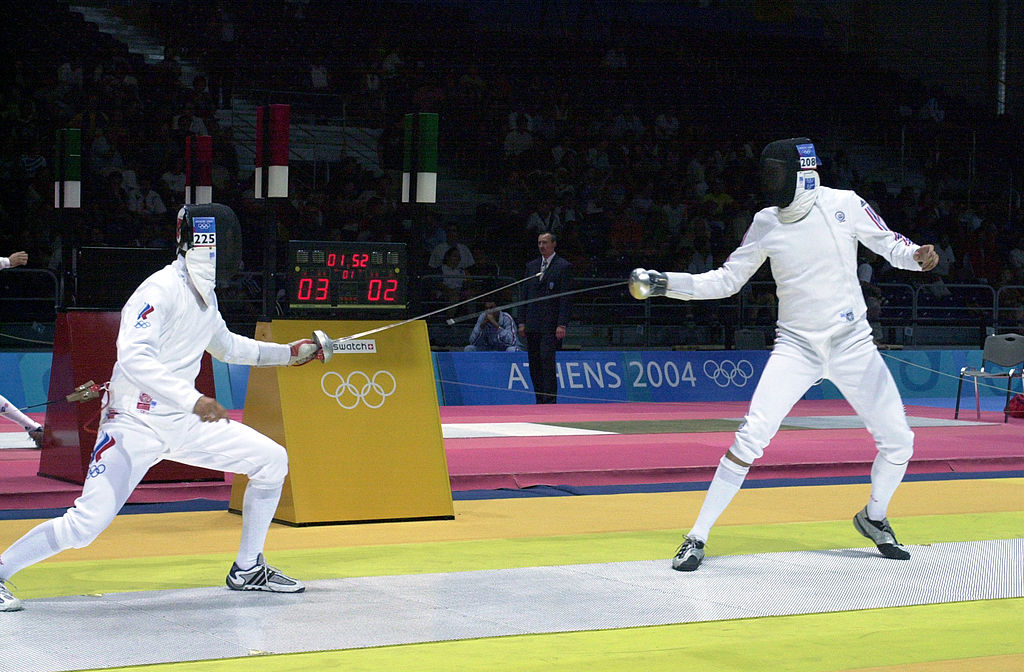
(1002, 350)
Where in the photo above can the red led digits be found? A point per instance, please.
(382, 290)
(331, 274)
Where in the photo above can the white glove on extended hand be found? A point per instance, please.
(304, 351)
(643, 283)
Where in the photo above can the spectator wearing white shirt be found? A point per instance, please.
(437, 254)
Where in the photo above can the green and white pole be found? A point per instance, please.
(67, 185)
(419, 161)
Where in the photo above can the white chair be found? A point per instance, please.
(1001, 350)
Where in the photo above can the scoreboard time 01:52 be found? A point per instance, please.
(337, 274)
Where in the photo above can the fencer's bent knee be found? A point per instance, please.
(272, 466)
(900, 449)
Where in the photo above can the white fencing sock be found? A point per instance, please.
(728, 478)
(36, 545)
(11, 412)
(258, 507)
(885, 478)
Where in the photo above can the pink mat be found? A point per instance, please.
(616, 459)
(518, 462)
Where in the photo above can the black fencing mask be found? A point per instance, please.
(780, 162)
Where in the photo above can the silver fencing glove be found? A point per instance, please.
(643, 283)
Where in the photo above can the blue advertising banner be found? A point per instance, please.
(26, 378)
(922, 373)
(478, 378)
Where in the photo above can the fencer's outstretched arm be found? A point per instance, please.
(871, 230)
(717, 284)
(233, 348)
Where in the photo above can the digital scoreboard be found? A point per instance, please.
(339, 275)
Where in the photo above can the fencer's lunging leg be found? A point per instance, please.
(111, 478)
(790, 370)
(36, 545)
(728, 479)
(885, 478)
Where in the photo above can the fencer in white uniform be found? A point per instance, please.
(152, 410)
(7, 409)
(809, 235)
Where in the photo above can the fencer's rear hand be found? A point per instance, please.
(18, 259)
(304, 351)
(644, 283)
(209, 410)
(926, 257)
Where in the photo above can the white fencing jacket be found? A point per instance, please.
(165, 329)
(813, 261)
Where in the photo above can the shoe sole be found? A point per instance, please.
(688, 565)
(267, 590)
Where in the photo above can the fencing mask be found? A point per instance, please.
(210, 240)
(783, 167)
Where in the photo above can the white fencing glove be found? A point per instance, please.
(304, 351)
(643, 283)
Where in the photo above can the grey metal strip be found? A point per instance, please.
(123, 629)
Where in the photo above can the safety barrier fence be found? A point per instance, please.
(934, 314)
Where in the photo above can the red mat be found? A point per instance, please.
(613, 459)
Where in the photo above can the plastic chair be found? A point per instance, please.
(1003, 350)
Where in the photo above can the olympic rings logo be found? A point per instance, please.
(359, 387)
(727, 372)
(96, 469)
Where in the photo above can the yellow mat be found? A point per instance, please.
(147, 535)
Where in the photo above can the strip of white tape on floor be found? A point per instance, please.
(112, 630)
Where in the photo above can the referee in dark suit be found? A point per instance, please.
(542, 323)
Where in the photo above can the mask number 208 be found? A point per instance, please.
(199, 238)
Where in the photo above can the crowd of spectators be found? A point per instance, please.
(638, 147)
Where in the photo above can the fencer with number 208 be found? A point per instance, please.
(152, 410)
(809, 235)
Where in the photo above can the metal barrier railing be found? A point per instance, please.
(29, 294)
(610, 317)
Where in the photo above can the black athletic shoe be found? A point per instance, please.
(689, 556)
(37, 436)
(880, 532)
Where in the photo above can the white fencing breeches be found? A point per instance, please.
(847, 357)
(126, 448)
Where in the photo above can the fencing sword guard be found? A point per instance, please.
(325, 343)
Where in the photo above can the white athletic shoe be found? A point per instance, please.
(8, 602)
(262, 577)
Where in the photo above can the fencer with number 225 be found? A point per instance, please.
(153, 410)
(809, 234)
